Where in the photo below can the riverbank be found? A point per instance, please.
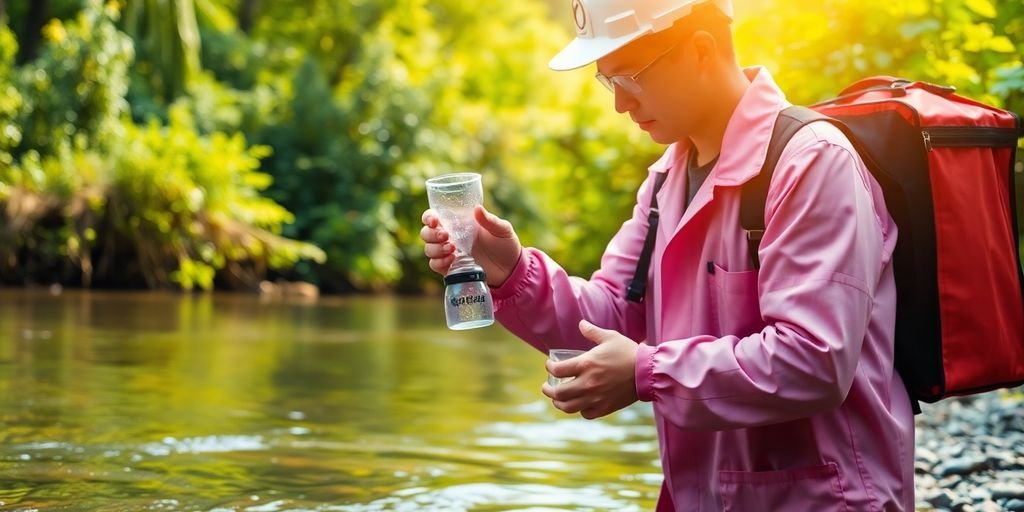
(970, 453)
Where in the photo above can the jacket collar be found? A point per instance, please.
(745, 144)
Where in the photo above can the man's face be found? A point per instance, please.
(669, 103)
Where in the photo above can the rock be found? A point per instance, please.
(1014, 505)
(1000, 461)
(989, 506)
(952, 451)
(979, 494)
(282, 288)
(927, 456)
(943, 498)
(1002, 491)
(949, 482)
(994, 442)
(925, 482)
(972, 447)
(962, 466)
(958, 428)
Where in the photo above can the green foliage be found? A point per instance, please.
(166, 35)
(816, 49)
(11, 104)
(338, 111)
(195, 200)
(166, 204)
(75, 89)
(393, 93)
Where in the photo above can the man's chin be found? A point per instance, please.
(661, 138)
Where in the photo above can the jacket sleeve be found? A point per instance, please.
(543, 305)
(822, 257)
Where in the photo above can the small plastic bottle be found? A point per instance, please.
(467, 299)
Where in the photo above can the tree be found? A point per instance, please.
(31, 31)
(247, 14)
(167, 41)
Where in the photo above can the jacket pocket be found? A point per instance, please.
(734, 301)
(817, 488)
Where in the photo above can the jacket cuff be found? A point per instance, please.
(645, 372)
(515, 282)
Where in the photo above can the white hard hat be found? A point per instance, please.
(603, 26)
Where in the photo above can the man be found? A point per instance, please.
(773, 387)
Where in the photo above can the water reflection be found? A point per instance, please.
(224, 402)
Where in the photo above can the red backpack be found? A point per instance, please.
(946, 167)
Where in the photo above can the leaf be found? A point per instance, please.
(915, 29)
(982, 7)
(1001, 44)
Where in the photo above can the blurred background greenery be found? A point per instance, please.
(200, 144)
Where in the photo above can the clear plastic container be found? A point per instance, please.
(467, 300)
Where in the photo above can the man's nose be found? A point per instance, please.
(624, 101)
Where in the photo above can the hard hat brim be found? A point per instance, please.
(580, 52)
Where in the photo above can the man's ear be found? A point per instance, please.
(705, 48)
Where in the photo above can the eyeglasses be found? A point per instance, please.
(629, 83)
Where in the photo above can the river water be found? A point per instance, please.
(151, 401)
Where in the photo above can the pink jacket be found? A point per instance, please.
(773, 390)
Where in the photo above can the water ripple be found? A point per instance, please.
(457, 498)
(208, 444)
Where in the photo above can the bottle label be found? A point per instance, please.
(468, 300)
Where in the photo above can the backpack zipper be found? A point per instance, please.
(969, 137)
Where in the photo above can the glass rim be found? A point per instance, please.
(566, 351)
(453, 179)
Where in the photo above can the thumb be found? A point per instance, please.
(494, 225)
(595, 333)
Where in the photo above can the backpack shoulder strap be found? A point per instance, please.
(638, 285)
(755, 191)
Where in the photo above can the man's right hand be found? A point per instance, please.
(496, 249)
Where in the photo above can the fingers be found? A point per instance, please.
(438, 249)
(441, 266)
(562, 369)
(595, 333)
(433, 235)
(569, 390)
(494, 225)
(430, 219)
(566, 399)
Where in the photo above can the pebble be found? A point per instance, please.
(970, 453)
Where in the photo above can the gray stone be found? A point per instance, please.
(994, 442)
(927, 456)
(958, 428)
(989, 506)
(943, 498)
(1015, 505)
(949, 482)
(925, 482)
(1002, 491)
(962, 466)
(952, 451)
(963, 506)
(979, 494)
(1001, 461)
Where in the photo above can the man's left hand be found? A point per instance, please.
(605, 376)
